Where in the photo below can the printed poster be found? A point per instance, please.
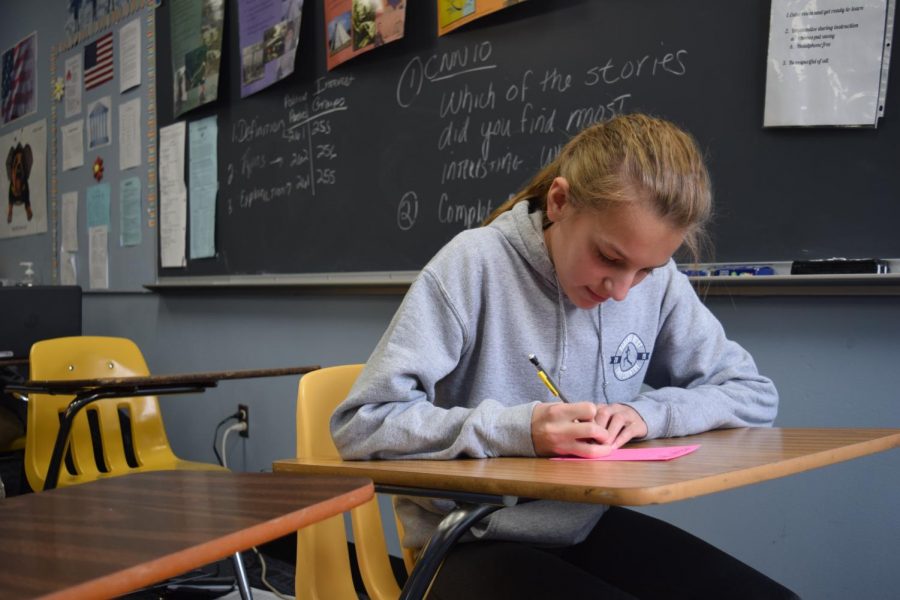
(269, 33)
(80, 14)
(353, 27)
(827, 62)
(18, 90)
(196, 27)
(24, 181)
(456, 13)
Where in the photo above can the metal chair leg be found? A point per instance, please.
(240, 573)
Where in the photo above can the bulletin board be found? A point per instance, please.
(114, 56)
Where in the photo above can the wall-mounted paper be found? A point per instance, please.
(99, 123)
(172, 196)
(353, 27)
(130, 134)
(72, 145)
(269, 31)
(204, 184)
(130, 55)
(24, 180)
(72, 86)
(98, 250)
(130, 212)
(827, 63)
(97, 200)
(70, 221)
(196, 28)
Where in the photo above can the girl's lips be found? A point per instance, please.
(595, 297)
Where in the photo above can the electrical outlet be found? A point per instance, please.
(244, 412)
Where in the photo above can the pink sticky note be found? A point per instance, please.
(664, 453)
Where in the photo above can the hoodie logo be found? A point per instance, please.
(629, 357)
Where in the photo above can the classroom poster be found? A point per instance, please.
(269, 31)
(24, 181)
(827, 63)
(353, 27)
(196, 27)
(456, 13)
(18, 90)
(81, 14)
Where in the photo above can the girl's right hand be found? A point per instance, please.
(559, 429)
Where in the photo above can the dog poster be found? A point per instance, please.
(23, 181)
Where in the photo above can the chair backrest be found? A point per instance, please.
(87, 357)
(323, 567)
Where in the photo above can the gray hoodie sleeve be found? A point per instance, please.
(390, 412)
(703, 380)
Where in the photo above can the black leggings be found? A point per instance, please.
(627, 555)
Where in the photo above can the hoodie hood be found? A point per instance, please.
(524, 230)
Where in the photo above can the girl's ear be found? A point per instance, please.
(558, 199)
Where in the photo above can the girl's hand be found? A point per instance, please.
(621, 422)
(569, 429)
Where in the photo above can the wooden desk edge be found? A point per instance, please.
(637, 496)
(134, 578)
(721, 482)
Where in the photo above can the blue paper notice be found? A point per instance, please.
(204, 184)
(130, 212)
(98, 205)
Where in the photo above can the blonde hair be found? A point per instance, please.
(630, 157)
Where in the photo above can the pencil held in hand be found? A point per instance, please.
(551, 385)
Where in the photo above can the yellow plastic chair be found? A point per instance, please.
(86, 357)
(323, 564)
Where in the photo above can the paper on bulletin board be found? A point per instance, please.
(353, 27)
(24, 181)
(269, 32)
(72, 85)
(828, 62)
(72, 135)
(456, 13)
(130, 55)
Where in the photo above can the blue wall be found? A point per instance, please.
(831, 534)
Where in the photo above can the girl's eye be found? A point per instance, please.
(607, 259)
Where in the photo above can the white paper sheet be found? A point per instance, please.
(130, 55)
(68, 274)
(72, 86)
(825, 62)
(70, 221)
(172, 196)
(130, 134)
(72, 145)
(98, 250)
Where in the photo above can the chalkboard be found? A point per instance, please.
(374, 166)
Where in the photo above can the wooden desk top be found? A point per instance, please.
(207, 379)
(105, 538)
(726, 459)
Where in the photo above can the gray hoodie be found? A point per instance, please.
(451, 378)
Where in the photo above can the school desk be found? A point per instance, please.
(91, 390)
(726, 459)
(116, 535)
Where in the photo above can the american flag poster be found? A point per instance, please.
(98, 61)
(18, 91)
